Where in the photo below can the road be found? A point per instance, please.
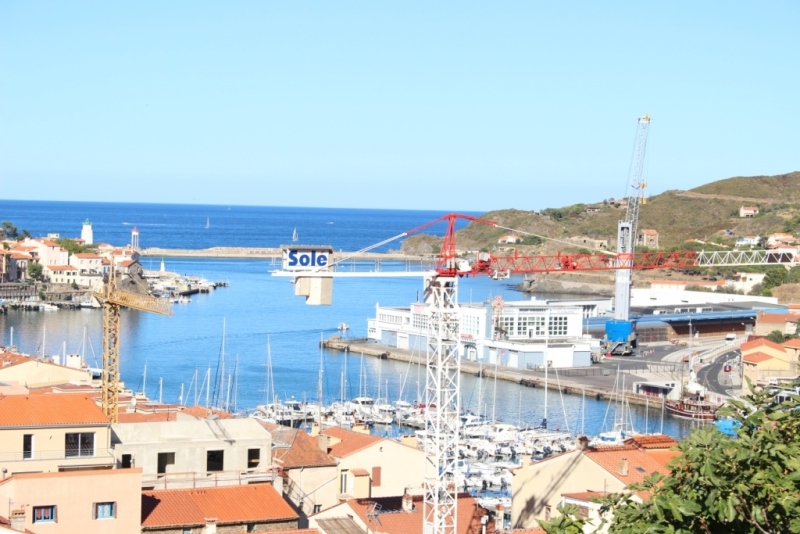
(718, 381)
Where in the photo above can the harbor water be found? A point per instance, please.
(259, 314)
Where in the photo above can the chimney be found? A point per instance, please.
(498, 513)
(17, 520)
(211, 525)
(623, 467)
(408, 501)
(323, 442)
(581, 443)
(314, 430)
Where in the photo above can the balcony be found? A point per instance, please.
(206, 479)
(56, 458)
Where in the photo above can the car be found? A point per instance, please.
(727, 368)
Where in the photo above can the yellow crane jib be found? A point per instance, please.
(114, 300)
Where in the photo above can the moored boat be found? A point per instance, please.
(697, 409)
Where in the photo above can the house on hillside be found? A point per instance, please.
(509, 239)
(748, 241)
(371, 466)
(785, 323)
(309, 473)
(762, 359)
(780, 240)
(538, 488)
(398, 514)
(647, 238)
(748, 211)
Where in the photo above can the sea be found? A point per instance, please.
(257, 319)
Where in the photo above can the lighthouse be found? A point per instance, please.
(86, 233)
(135, 238)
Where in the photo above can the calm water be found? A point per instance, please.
(257, 307)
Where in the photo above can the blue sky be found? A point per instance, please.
(409, 105)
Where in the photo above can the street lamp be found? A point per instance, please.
(691, 338)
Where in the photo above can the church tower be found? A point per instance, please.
(135, 238)
(86, 233)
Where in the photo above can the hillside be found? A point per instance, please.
(708, 213)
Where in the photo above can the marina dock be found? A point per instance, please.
(596, 381)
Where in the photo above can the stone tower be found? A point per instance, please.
(86, 233)
(135, 238)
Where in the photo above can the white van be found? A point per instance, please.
(730, 337)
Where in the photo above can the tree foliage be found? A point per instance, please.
(776, 336)
(747, 483)
(35, 270)
(73, 247)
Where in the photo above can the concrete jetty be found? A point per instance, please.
(596, 381)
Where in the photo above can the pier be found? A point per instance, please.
(596, 381)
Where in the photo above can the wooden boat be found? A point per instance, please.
(695, 408)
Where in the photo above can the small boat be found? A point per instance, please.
(694, 408)
(501, 275)
(343, 327)
(208, 223)
(295, 236)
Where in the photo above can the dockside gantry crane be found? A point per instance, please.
(621, 331)
(114, 299)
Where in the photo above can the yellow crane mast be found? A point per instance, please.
(114, 299)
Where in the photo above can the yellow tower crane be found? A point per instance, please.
(114, 299)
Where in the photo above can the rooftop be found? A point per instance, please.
(49, 410)
(255, 503)
(760, 342)
(391, 518)
(294, 448)
(350, 442)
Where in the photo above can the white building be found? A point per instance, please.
(526, 331)
(86, 233)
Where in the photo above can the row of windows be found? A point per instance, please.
(391, 319)
(49, 514)
(76, 444)
(419, 321)
(215, 460)
(534, 326)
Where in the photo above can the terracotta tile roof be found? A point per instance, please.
(203, 413)
(651, 441)
(147, 417)
(127, 263)
(296, 531)
(61, 267)
(760, 342)
(87, 255)
(302, 449)
(640, 463)
(777, 318)
(358, 472)
(590, 496)
(351, 442)
(255, 503)
(20, 256)
(792, 343)
(393, 520)
(48, 243)
(49, 410)
(757, 357)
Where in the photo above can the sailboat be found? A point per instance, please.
(295, 236)
(208, 223)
